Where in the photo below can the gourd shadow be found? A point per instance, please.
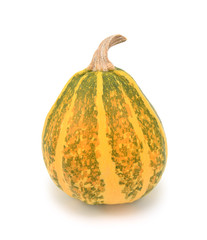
(76, 207)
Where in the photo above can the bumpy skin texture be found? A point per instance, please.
(102, 141)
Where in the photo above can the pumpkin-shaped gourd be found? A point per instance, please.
(102, 141)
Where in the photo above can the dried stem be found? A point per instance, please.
(100, 61)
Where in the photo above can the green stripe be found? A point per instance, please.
(150, 129)
(55, 178)
(80, 164)
(52, 128)
(125, 145)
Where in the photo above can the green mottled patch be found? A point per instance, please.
(150, 129)
(126, 147)
(52, 129)
(81, 168)
(55, 178)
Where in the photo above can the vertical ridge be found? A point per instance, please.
(126, 147)
(113, 191)
(59, 149)
(145, 153)
(81, 168)
(51, 129)
(151, 126)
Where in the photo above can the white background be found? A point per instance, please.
(42, 44)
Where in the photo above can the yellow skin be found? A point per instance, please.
(103, 142)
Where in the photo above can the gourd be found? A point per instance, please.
(103, 142)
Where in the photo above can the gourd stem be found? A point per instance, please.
(100, 61)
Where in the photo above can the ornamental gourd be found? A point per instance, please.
(102, 141)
